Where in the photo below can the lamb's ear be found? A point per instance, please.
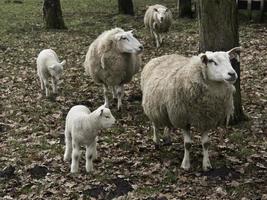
(101, 112)
(204, 59)
(63, 62)
(155, 9)
(234, 53)
(52, 67)
(167, 10)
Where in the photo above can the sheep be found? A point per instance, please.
(158, 19)
(81, 128)
(48, 65)
(112, 60)
(182, 92)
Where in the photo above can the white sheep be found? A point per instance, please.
(81, 128)
(48, 65)
(112, 60)
(182, 92)
(158, 19)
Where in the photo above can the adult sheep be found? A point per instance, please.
(112, 60)
(182, 92)
(158, 19)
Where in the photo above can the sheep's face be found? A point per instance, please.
(127, 43)
(219, 67)
(56, 70)
(105, 117)
(160, 14)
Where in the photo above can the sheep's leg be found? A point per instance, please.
(94, 149)
(41, 81)
(155, 135)
(156, 36)
(46, 84)
(75, 157)
(114, 92)
(160, 38)
(54, 85)
(187, 145)
(120, 93)
(68, 148)
(205, 145)
(166, 136)
(106, 95)
(89, 157)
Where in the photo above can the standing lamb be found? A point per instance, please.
(112, 60)
(182, 92)
(158, 19)
(81, 129)
(48, 65)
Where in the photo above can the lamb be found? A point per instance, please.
(48, 65)
(182, 92)
(158, 19)
(81, 129)
(112, 60)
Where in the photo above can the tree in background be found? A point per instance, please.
(184, 8)
(53, 15)
(126, 7)
(218, 24)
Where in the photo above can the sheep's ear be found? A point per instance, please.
(63, 62)
(167, 10)
(101, 112)
(234, 53)
(155, 9)
(132, 31)
(204, 59)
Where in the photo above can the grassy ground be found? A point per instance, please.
(31, 137)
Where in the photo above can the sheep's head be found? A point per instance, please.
(160, 13)
(56, 70)
(105, 116)
(218, 65)
(127, 43)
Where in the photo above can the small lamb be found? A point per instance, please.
(81, 129)
(48, 65)
(158, 19)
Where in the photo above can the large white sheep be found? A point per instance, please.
(182, 92)
(48, 65)
(112, 60)
(158, 19)
(81, 128)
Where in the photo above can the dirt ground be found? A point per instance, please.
(129, 167)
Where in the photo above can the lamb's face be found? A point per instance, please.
(219, 67)
(56, 70)
(160, 13)
(127, 43)
(105, 117)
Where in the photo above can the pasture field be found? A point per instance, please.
(129, 167)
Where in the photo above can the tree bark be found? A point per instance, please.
(184, 8)
(218, 24)
(53, 15)
(126, 7)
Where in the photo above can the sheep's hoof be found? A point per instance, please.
(207, 168)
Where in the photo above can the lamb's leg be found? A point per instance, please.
(155, 135)
(205, 145)
(94, 149)
(114, 92)
(68, 148)
(157, 39)
(46, 84)
(89, 157)
(166, 136)
(120, 93)
(106, 95)
(41, 81)
(187, 145)
(160, 38)
(54, 85)
(75, 157)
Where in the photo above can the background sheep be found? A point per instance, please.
(112, 60)
(48, 65)
(158, 20)
(182, 92)
(81, 129)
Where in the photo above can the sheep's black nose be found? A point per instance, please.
(141, 48)
(232, 74)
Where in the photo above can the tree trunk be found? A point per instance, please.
(184, 8)
(126, 7)
(53, 15)
(218, 25)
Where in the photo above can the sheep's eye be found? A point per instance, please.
(107, 117)
(212, 61)
(124, 38)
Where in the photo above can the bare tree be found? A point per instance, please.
(184, 8)
(53, 15)
(218, 24)
(126, 7)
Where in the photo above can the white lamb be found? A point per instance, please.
(48, 65)
(158, 19)
(81, 128)
(112, 60)
(182, 92)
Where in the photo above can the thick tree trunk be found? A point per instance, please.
(218, 25)
(126, 7)
(184, 8)
(53, 15)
